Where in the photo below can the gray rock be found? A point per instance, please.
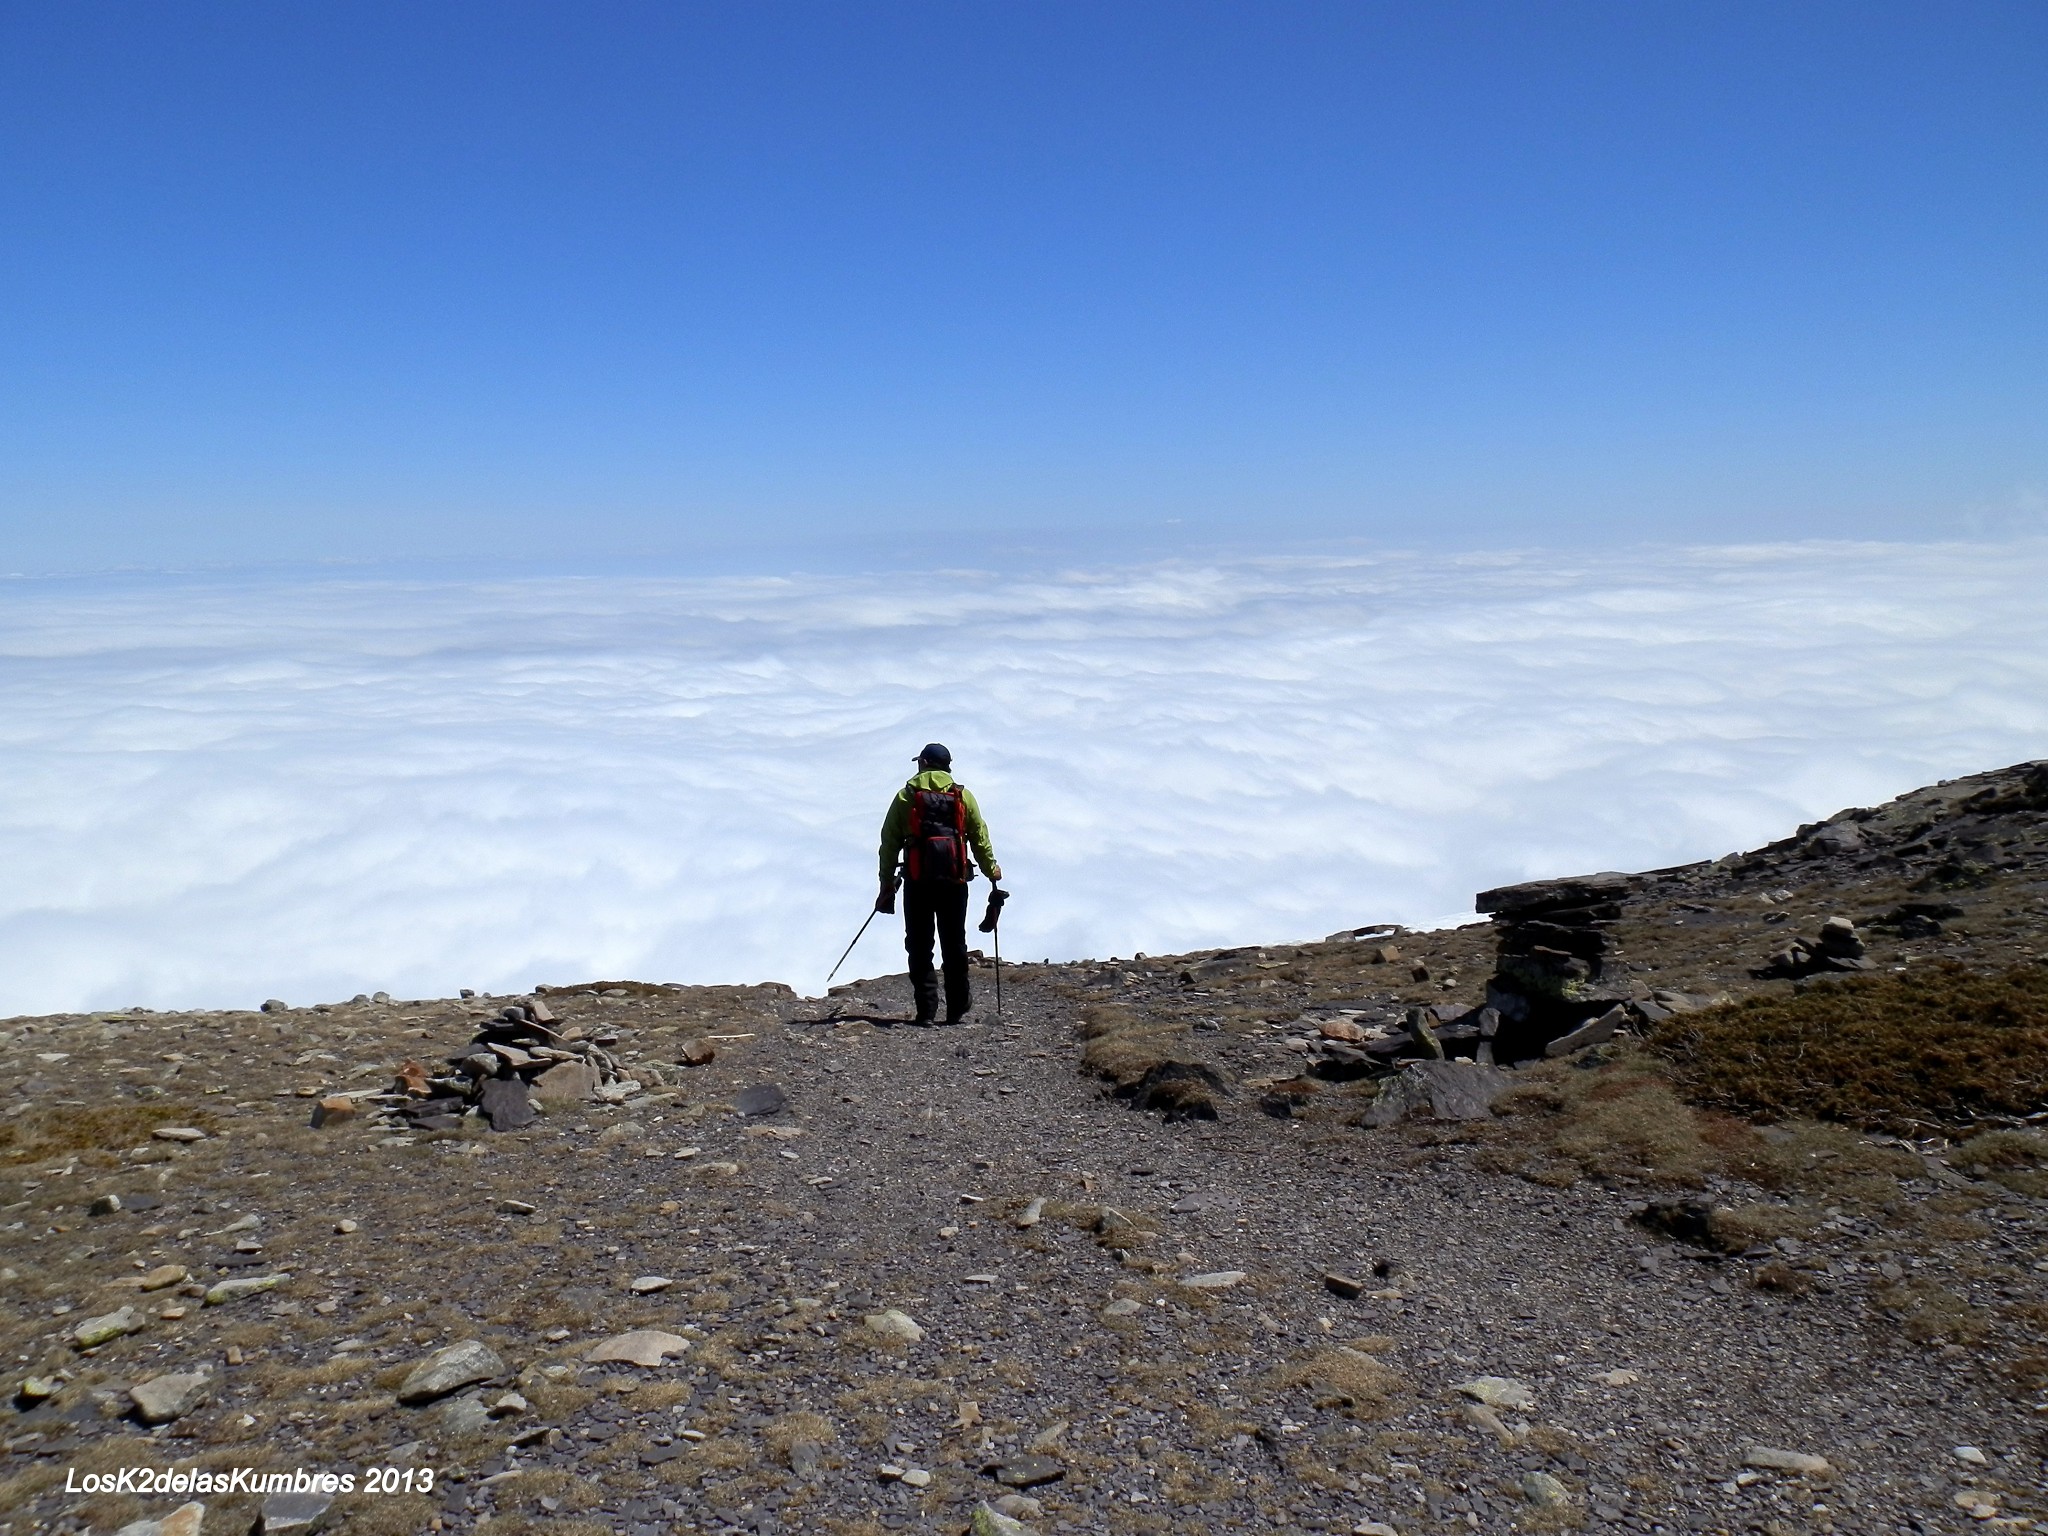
(296, 1513)
(894, 1324)
(164, 1398)
(1593, 1032)
(762, 1099)
(449, 1370)
(111, 1325)
(1026, 1471)
(105, 1205)
(1441, 1090)
(235, 1290)
(465, 1415)
(989, 1521)
(505, 1105)
(644, 1347)
(566, 1082)
(1800, 1463)
(276, 1005)
(1544, 1491)
(185, 1520)
(1499, 1392)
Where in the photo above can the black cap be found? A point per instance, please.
(935, 755)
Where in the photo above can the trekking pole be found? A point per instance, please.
(849, 950)
(878, 907)
(992, 925)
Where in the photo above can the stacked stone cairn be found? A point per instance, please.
(1839, 948)
(515, 1058)
(1550, 992)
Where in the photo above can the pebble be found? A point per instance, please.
(917, 1477)
(1216, 1280)
(1032, 1214)
(163, 1276)
(1970, 1454)
(1343, 1285)
(348, 1224)
(1018, 1506)
(1123, 1306)
(1544, 1491)
(1618, 1378)
(517, 1207)
(105, 1205)
(178, 1133)
(647, 1285)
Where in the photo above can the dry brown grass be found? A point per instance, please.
(1620, 1121)
(1930, 1313)
(1364, 1387)
(793, 1428)
(1939, 1045)
(59, 1129)
(1749, 1226)
(2016, 1159)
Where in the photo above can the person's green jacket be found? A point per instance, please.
(896, 825)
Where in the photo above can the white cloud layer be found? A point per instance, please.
(215, 792)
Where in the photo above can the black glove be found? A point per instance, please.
(996, 897)
(886, 902)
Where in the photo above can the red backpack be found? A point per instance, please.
(936, 843)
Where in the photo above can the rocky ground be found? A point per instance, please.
(951, 1268)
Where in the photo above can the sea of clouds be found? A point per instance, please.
(216, 791)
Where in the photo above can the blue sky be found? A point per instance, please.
(667, 284)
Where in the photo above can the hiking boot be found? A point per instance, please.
(923, 1021)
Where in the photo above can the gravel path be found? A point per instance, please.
(1071, 1349)
(1258, 1406)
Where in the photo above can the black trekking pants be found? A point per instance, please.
(939, 906)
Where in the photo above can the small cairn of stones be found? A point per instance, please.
(1839, 948)
(1549, 982)
(515, 1058)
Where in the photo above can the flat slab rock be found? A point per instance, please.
(1026, 1471)
(1438, 1090)
(647, 1347)
(762, 1099)
(505, 1104)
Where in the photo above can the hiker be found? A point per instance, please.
(935, 827)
